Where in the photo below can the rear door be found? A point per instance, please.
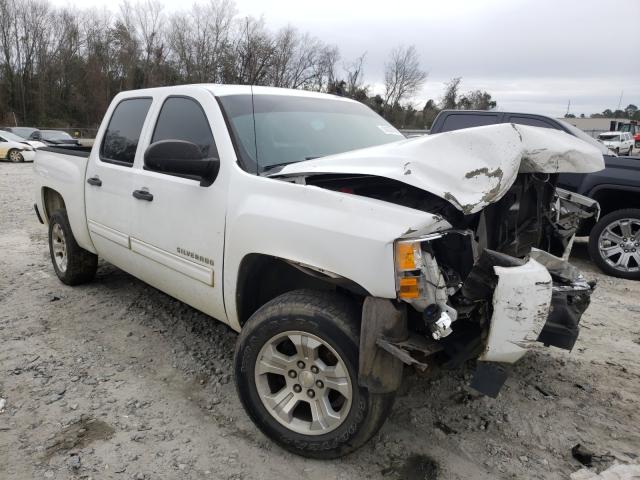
(110, 178)
(178, 225)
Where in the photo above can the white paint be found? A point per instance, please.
(243, 214)
(471, 168)
(521, 304)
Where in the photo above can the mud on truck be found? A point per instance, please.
(340, 251)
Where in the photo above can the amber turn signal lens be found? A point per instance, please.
(405, 256)
(409, 287)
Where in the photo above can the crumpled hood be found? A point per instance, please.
(470, 168)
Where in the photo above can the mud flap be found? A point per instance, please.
(379, 370)
(489, 378)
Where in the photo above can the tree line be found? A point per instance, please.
(61, 67)
(630, 113)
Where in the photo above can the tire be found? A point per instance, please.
(73, 264)
(333, 320)
(608, 234)
(15, 156)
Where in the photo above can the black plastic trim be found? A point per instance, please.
(35, 207)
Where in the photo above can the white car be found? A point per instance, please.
(338, 249)
(17, 138)
(619, 142)
(15, 151)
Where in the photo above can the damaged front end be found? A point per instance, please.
(486, 289)
(493, 282)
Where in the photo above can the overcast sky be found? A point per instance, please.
(531, 55)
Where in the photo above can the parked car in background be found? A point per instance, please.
(28, 133)
(636, 140)
(17, 138)
(15, 151)
(619, 142)
(614, 239)
(58, 137)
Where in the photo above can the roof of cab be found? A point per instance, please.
(225, 90)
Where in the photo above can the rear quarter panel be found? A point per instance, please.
(64, 174)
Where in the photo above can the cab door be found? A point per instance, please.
(178, 225)
(109, 180)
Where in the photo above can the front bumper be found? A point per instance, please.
(540, 301)
(28, 155)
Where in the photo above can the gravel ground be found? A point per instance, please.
(116, 380)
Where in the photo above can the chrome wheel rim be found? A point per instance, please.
(59, 247)
(619, 244)
(303, 383)
(15, 156)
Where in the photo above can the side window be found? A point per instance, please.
(123, 132)
(183, 118)
(534, 122)
(459, 121)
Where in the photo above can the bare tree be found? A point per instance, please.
(403, 76)
(450, 97)
(355, 75)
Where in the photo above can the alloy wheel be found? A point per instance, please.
(303, 383)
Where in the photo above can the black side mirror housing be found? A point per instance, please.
(182, 158)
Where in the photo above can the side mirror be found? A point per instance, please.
(179, 157)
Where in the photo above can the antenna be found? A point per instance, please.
(568, 108)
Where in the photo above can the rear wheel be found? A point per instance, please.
(15, 156)
(296, 367)
(73, 264)
(614, 243)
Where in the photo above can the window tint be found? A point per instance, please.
(534, 122)
(121, 139)
(184, 119)
(457, 122)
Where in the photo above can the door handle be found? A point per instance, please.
(143, 195)
(95, 181)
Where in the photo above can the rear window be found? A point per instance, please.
(533, 122)
(609, 136)
(123, 133)
(466, 120)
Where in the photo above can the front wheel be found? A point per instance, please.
(15, 156)
(614, 243)
(296, 368)
(73, 264)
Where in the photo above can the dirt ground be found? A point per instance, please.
(115, 380)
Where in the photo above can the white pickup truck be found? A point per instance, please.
(339, 250)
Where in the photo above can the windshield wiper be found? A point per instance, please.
(276, 165)
(284, 164)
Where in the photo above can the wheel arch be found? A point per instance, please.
(615, 197)
(262, 278)
(52, 200)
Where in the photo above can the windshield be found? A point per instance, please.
(609, 136)
(55, 135)
(12, 137)
(277, 129)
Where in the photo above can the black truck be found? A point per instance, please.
(614, 240)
